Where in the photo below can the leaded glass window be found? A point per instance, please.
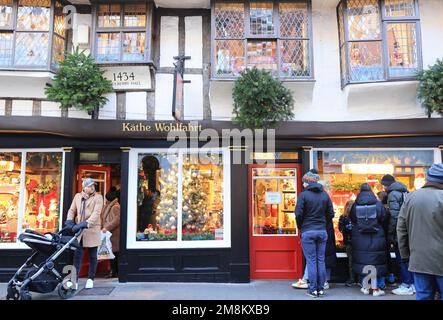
(378, 40)
(27, 37)
(121, 32)
(270, 35)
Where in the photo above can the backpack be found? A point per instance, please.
(366, 218)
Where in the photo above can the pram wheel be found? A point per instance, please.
(13, 294)
(65, 293)
(25, 295)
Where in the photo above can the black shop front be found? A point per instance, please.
(216, 220)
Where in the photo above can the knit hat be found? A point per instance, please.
(387, 180)
(435, 173)
(310, 177)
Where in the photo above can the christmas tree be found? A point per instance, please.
(195, 200)
(167, 208)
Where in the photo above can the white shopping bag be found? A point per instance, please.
(105, 249)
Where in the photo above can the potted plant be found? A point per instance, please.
(79, 83)
(261, 101)
(430, 89)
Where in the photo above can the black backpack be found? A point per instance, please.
(366, 218)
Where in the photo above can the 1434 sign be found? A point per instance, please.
(129, 77)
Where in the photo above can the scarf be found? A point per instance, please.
(85, 197)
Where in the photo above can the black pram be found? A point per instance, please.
(43, 270)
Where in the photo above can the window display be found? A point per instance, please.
(275, 197)
(43, 191)
(343, 172)
(37, 178)
(181, 197)
(10, 169)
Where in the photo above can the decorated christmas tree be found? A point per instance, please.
(167, 208)
(195, 200)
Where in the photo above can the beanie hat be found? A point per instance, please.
(435, 173)
(387, 180)
(310, 177)
(365, 187)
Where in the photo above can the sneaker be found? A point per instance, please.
(326, 286)
(89, 284)
(378, 293)
(300, 284)
(312, 294)
(365, 291)
(321, 293)
(403, 290)
(413, 288)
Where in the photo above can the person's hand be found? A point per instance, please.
(104, 230)
(81, 225)
(69, 224)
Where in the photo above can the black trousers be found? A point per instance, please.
(114, 264)
(78, 255)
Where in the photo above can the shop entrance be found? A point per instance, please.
(105, 177)
(275, 249)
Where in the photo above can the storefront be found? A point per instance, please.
(186, 217)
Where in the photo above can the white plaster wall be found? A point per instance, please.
(163, 96)
(74, 113)
(193, 97)
(136, 106)
(50, 109)
(2, 107)
(109, 110)
(194, 41)
(23, 84)
(21, 108)
(82, 19)
(431, 14)
(168, 40)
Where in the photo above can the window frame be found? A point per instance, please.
(147, 29)
(384, 22)
(22, 204)
(275, 37)
(131, 241)
(14, 30)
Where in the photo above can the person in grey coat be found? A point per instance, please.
(420, 234)
(397, 192)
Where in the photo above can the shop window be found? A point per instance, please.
(26, 34)
(30, 192)
(121, 32)
(269, 35)
(182, 199)
(344, 171)
(274, 200)
(379, 40)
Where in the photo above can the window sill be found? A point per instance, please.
(232, 79)
(126, 63)
(408, 79)
(29, 73)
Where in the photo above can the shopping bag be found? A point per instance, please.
(105, 249)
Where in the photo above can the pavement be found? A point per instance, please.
(111, 289)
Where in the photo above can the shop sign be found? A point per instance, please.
(273, 198)
(129, 77)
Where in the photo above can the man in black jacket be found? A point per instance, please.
(396, 196)
(314, 208)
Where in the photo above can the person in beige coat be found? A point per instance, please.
(85, 212)
(111, 222)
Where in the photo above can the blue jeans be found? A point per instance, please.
(314, 246)
(406, 276)
(328, 273)
(426, 285)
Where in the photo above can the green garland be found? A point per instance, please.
(45, 187)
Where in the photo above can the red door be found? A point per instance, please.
(275, 249)
(102, 176)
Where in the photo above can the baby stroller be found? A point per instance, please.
(43, 270)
